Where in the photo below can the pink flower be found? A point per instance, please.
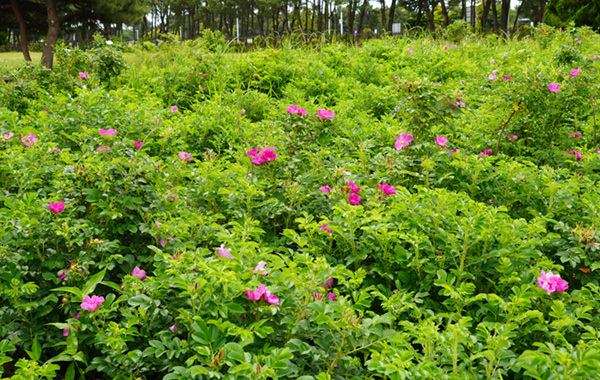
(269, 154)
(55, 150)
(325, 189)
(445, 47)
(403, 140)
(441, 141)
(353, 187)
(325, 114)
(574, 134)
(262, 292)
(455, 150)
(331, 296)
(492, 77)
(554, 87)
(57, 207)
(551, 282)
(410, 51)
(576, 153)
(514, 137)
(575, 72)
(260, 267)
(162, 243)
(295, 110)
(91, 304)
(486, 152)
(354, 199)
(259, 159)
(28, 140)
(453, 46)
(329, 283)
(63, 274)
(108, 132)
(83, 75)
(138, 144)
(103, 149)
(387, 189)
(323, 228)
(243, 112)
(185, 156)
(174, 108)
(137, 272)
(252, 152)
(507, 78)
(8, 136)
(224, 252)
(174, 328)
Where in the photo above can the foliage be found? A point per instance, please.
(218, 227)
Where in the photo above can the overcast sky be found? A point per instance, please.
(513, 3)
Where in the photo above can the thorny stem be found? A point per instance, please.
(504, 127)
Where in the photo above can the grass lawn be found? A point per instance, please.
(15, 59)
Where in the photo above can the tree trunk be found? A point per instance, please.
(445, 13)
(391, 19)
(52, 37)
(504, 15)
(383, 19)
(517, 16)
(361, 17)
(495, 16)
(542, 10)
(484, 13)
(22, 29)
(425, 4)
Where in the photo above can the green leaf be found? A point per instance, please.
(90, 286)
(70, 374)
(236, 308)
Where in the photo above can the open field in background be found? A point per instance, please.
(414, 208)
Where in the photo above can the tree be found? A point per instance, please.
(580, 12)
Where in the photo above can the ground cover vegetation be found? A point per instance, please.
(413, 208)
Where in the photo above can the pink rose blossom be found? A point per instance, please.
(137, 272)
(174, 328)
(28, 140)
(102, 149)
(410, 51)
(354, 199)
(325, 114)
(224, 252)
(138, 144)
(353, 187)
(295, 110)
(262, 292)
(441, 141)
(324, 228)
(108, 132)
(387, 189)
(260, 267)
(551, 282)
(57, 207)
(83, 75)
(55, 150)
(91, 304)
(455, 150)
(575, 72)
(185, 156)
(174, 108)
(325, 189)
(331, 296)
(554, 87)
(8, 136)
(403, 140)
(252, 152)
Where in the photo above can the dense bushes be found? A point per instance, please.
(211, 231)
